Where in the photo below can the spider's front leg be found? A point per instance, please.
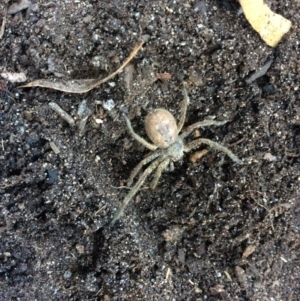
(137, 137)
(187, 131)
(161, 167)
(135, 189)
(214, 145)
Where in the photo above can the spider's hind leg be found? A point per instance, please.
(161, 167)
(136, 170)
(135, 189)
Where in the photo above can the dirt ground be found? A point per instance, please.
(211, 230)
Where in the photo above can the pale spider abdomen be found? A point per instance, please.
(161, 128)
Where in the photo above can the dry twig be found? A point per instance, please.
(2, 29)
(62, 113)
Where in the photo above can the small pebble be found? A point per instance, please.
(87, 19)
(108, 105)
(67, 275)
(52, 176)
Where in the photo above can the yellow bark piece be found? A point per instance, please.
(270, 26)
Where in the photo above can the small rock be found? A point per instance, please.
(52, 176)
(67, 275)
(269, 157)
(108, 105)
(14, 77)
(28, 115)
(87, 19)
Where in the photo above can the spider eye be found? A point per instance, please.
(161, 128)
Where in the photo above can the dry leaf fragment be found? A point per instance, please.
(18, 6)
(260, 72)
(84, 85)
(270, 26)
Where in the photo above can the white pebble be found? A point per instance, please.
(108, 105)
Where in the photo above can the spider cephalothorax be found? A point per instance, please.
(168, 146)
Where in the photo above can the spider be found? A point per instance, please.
(167, 146)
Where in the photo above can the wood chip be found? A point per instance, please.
(270, 26)
(54, 148)
(163, 76)
(80, 248)
(168, 273)
(196, 156)
(241, 276)
(248, 251)
(228, 276)
(129, 70)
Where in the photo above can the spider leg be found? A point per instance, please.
(199, 124)
(136, 170)
(214, 145)
(184, 106)
(135, 189)
(137, 137)
(161, 167)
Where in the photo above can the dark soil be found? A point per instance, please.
(211, 230)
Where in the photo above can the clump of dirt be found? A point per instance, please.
(212, 230)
